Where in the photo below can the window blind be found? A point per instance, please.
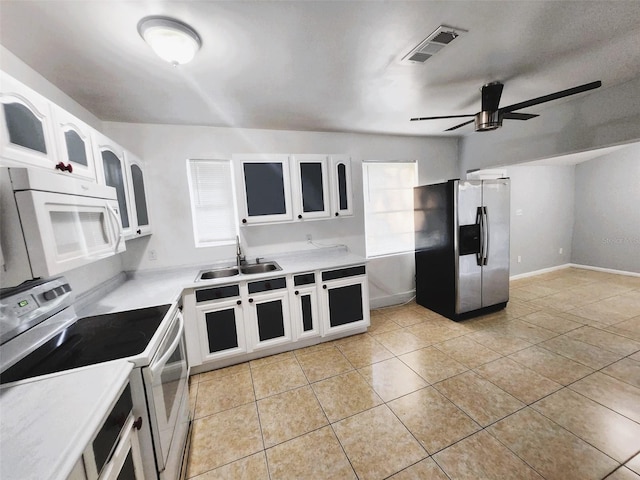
(213, 209)
(388, 207)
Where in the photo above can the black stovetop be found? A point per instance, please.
(91, 340)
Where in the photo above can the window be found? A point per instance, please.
(213, 208)
(388, 207)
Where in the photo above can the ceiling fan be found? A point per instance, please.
(491, 116)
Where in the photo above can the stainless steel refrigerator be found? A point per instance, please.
(462, 246)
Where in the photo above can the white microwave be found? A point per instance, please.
(51, 223)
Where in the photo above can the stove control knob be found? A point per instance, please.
(50, 294)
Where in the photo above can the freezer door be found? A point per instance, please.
(468, 272)
(495, 272)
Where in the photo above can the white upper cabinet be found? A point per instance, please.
(73, 139)
(264, 188)
(141, 224)
(341, 186)
(310, 187)
(26, 136)
(112, 172)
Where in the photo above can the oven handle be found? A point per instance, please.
(162, 360)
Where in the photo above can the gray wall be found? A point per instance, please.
(606, 233)
(542, 216)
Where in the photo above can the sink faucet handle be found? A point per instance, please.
(258, 259)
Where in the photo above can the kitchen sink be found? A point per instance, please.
(247, 269)
(259, 268)
(218, 273)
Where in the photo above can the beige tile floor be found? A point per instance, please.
(547, 388)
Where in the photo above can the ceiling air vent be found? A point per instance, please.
(440, 38)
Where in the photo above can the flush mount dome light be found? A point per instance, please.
(172, 40)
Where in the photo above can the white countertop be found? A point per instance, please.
(47, 422)
(157, 287)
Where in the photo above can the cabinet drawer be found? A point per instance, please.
(266, 285)
(343, 273)
(304, 279)
(217, 293)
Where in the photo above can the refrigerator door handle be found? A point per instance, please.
(479, 221)
(485, 231)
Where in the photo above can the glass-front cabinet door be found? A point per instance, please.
(264, 186)
(141, 224)
(311, 187)
(73, 139)
(341, 188)
(113, 174)
(26, 136)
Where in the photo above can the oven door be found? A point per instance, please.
(166, 382)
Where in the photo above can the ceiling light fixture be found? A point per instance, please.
(172, 40)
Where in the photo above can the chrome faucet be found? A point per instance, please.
(240, 258)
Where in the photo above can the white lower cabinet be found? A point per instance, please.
(305, 317)
(240, 321)
(220, 323)
(267, 311)
(344, 299)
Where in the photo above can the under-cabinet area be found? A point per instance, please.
(249, 316)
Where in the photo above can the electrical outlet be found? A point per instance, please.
(309, 238)
(560, 251)
(519, 259)
(153, 255)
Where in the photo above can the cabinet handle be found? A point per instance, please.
(138, 231)
(324, 286)
(244, 220)
(138, 423)
(299, 217)
(239, 302)
(297, 292)
(251, 300)
(64, 168)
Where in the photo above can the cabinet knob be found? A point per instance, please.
(297, 292)
(337, 214)
(138, 423)
(324, 286)
(239, 302)
(244, 220)
(138, 231)
(299, 217)
(64, 168)
(251, 300)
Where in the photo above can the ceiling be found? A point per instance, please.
(322, 65)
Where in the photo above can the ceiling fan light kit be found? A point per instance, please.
(173, 41)
(491, 116)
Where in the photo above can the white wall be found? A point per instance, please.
(603, 117)
(607, 214)
(542, 216)
(165, 149)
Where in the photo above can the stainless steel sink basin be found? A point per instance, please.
(218, 273)
(259, 268)
(247, 269)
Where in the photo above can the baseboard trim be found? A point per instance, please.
(605, 270)
(396, 299)
(541, 271)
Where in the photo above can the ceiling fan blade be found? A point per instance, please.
(552, 96)
(458, 126)
(519, 116)
(441, 118)
(491, 94)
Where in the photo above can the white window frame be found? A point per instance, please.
(367, 191)
(232, 203)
